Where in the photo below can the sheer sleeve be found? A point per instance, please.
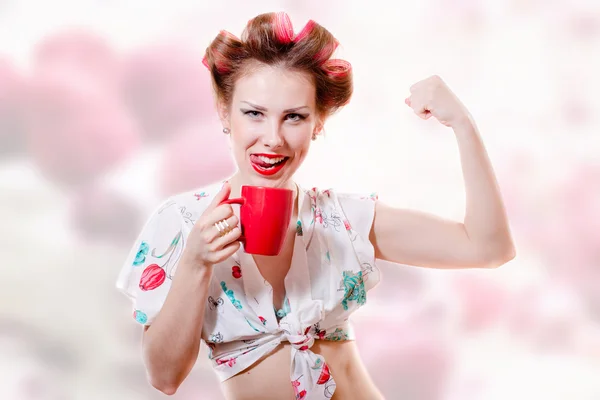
(147, 273)
(359, 211)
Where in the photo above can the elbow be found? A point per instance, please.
(166, 387)
(498, 253)
(162, 378)
(502, 258)
(163, 371)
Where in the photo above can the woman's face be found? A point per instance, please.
(272, 119)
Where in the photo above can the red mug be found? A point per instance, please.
(264, 218)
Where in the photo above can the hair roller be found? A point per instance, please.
(269, 39)
(284, 32)
(220, 51)
(305, 31)
(325, 53)
(336, 68)
(221, 63)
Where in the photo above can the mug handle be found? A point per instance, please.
(240, 201)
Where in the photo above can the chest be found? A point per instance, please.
(274, 269)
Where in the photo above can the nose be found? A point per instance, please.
(273, 137)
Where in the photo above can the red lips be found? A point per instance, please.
(265, 168)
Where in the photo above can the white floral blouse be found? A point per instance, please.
(333, 266)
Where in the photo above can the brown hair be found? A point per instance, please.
(269, 39)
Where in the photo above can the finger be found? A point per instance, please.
(221, 196)
(223, 241)
(222, 212)
(424, 114)
(407, 101)
(419, 107)
(226, 252)
(206, 223)
(227, 225)
(416, 86)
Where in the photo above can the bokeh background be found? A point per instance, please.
(105, 109)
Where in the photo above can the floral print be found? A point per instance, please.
(354, 288)
(140, 317)
(331, 259)
(200, 195)
(236, 303)
(299, 228)
(338, 335)
(140, 256)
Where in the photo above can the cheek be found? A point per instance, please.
(300, 136)
(300, 146)
(244, 133)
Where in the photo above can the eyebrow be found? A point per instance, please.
(289, 110)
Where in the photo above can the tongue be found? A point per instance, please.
(257, 160)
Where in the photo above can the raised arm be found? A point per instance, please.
(483, 239)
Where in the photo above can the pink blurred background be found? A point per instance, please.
(105, 109)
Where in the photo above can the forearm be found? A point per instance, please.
(485, 220)
(171, 344)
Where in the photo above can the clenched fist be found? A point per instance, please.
(432, 96)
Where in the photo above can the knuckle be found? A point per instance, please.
(211, 259)
(212, 247)
(206, 256)
(231, 234)
(201, 225)
(217, 213)
(199, 255)
(197, 225)
(206, 237)
(206, 213)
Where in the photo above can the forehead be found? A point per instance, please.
(275, 88)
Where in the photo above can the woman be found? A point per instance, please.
(259, 314)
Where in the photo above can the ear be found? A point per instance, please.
(319, 126)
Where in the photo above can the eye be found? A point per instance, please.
(295, 117)
(253, 113)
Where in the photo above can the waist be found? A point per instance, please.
(229, 359)
(269, 377)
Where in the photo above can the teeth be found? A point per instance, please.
(270, 160)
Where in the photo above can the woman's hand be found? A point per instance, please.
(206, 245)
(432, 96)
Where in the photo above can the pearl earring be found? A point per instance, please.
(226, 131)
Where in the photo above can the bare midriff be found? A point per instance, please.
(269, 379)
